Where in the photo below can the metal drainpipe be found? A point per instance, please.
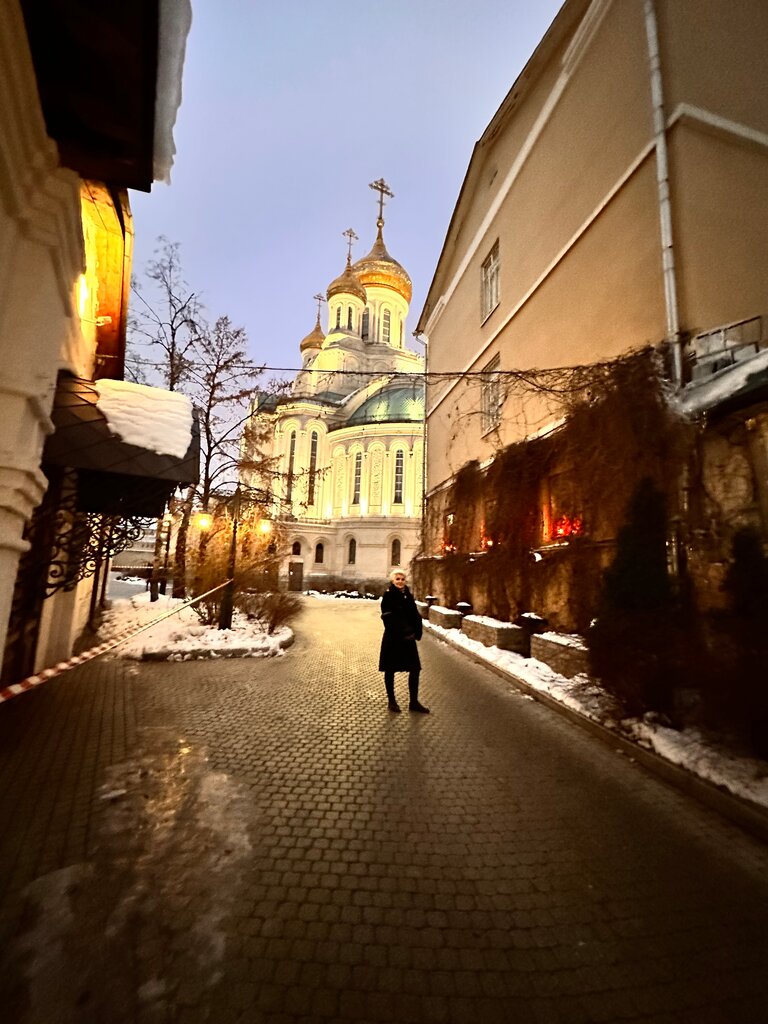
(662, 180)
(425, 343)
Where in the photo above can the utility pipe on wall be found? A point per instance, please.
(662, 181)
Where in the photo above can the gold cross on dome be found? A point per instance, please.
(383, 189)
(351, 237)
(319, 299)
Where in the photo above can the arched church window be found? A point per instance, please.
(296, 549)
(386, 326)
(399, 470)
(319, 552)
(338, 316)
(358, 478)
(349, 318)
(364, 329)
(291, 462)
(312, 468)
(401, 332)
(352, 552)
(395, 560)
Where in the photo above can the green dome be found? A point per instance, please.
(395, 405)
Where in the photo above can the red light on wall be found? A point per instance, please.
(567, 526)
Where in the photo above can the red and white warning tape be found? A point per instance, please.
(126, 634)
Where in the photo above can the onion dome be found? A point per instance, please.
(315, 338)
(346, 283)
(378, 268)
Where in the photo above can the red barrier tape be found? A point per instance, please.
(64, 666)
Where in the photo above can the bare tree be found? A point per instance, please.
(166, 318)
(209, 363)
(221, 382)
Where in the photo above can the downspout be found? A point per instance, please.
(662, 181)
(425, 343)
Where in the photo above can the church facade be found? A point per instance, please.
(346, 445)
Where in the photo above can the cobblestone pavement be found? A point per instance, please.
(261, 841)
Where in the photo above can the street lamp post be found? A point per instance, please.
(228, 597)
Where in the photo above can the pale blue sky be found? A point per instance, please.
(290, 109)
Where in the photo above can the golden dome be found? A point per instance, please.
(346, 283)
(378, 268)
(314, 339)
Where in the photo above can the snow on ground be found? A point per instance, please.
(743, 776)
(181, 636)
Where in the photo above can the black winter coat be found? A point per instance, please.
(402, 628)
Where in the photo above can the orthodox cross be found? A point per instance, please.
(319, 299)
(383, 189)
(351, 237)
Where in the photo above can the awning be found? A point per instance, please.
(114, 477)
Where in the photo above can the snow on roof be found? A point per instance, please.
(151, 418)
(728, 382)
(175, 19)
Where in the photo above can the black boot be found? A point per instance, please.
(413, 693)
(389, 683)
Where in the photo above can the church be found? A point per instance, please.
(347, 442)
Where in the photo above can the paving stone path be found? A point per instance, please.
(261, 841)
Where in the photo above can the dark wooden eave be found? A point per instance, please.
(96, 68)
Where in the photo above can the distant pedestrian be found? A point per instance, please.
(402, 628)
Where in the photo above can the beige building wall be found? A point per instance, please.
(720, 190)
(720, 67)
(565, 177)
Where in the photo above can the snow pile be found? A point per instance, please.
(565, 640)
(486, 620)
(151, 418)
(182, 637)
(743, 776)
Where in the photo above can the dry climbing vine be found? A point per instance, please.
(534, 529)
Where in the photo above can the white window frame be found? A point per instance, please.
(489, 282)
(357, 478)
(392, 560)
(398, 490)
(491, 398)
(291, 464)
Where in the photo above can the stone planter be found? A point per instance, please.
(448, 618)
(423, 609)
(565, 654)
(494, 633)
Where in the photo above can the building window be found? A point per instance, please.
(489, 290)
(386, 325)
(364, 325)
(395, 560)
(352, 552)
(490, 396)
(312, 468)
(319, 554)
(296, 549)
(400, 339)
(338, 316)
(291, 463)
(349, 318)
(449, 544)
(358, 478)
(399, 468)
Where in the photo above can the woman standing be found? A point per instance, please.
(402, 628)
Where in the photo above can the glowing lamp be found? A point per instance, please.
(265, 526)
